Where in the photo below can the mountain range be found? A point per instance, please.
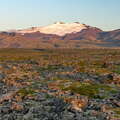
(60, 35)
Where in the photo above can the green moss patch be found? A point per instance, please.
(91, 90)
(26, 92)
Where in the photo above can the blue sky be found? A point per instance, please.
(15, 14)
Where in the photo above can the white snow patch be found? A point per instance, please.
(58, 28)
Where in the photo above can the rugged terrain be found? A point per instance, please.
(64, 84)
(61, 35)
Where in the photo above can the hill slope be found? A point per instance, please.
(61, 35)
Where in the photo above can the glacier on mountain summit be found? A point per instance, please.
(58, 28)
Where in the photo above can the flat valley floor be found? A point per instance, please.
(59, 84)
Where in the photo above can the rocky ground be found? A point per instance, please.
(47, 85)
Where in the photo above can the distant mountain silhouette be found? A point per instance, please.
(61, 35)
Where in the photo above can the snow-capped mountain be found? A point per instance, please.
(60, 35)
(59, 28)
